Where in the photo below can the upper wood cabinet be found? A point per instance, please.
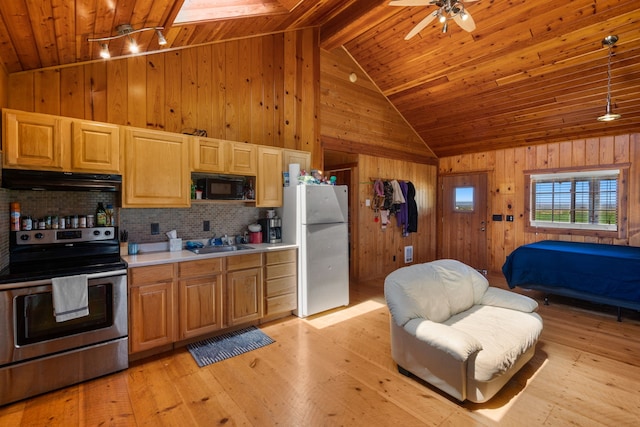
(269, 177)
(220, 156)
(33, 141)
(95, 146)
(156, 169)
(46, 142)
(303, 158)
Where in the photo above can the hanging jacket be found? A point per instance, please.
(412, 209)
(403, 214)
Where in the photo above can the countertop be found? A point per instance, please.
(163, 257)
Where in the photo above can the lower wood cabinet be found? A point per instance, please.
(280, 282)
(200, 296)
(244, 286)
(179, 301)
(152, 307)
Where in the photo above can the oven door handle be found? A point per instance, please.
(43, 282)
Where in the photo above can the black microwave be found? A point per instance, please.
(222, 188)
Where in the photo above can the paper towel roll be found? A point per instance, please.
(294, 172)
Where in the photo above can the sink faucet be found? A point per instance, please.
(212, 240)
(225, 240)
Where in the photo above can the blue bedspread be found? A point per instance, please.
(602, 273)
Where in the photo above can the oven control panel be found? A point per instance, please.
(46, 237)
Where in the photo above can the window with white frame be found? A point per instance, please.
(575, 200)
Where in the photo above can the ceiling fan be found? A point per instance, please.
(447, 10)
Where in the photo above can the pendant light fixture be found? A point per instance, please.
(609, 115)
(126, 30)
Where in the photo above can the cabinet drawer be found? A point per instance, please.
(239, 262)
(150, 274)
(280, 270)
(281, 304)
(283, 285)
(279, 257)
(201, 267)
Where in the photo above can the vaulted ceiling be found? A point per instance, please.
(532, 71)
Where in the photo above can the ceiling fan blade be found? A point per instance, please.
(466, 24)
(411, 2)
(421, 25)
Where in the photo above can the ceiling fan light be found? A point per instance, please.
(464, 15)
(445, 27)
(442, 18)
(104, 51)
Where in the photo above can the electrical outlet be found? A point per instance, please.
(155, 228)
(408, 254)
(509, 218)
(206, 226)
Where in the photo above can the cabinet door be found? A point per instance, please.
(33, 140)
(95, 147)
(269, 178)
(244, 296)
(151, 316)
(156, 169)
(303, 158)
(200, 305)
(242, 158)
(209, 155)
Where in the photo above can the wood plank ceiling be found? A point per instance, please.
(533, 71)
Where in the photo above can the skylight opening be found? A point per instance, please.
(194, 11)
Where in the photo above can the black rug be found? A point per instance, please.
(224, 346)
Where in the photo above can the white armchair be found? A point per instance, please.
(451, 329)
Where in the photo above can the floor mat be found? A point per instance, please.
(224, 346)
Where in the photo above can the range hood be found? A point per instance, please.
(19, 179)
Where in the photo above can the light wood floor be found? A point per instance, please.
(336, 369)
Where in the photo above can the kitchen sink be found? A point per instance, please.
(217, 249)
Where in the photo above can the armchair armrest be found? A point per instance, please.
(506, 299)
(454, 342)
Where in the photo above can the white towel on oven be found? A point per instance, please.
(70, 297)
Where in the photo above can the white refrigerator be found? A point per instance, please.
(315, 218)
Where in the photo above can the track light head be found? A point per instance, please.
(161, 40)
(104, 51)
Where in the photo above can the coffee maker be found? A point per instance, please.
(271, 230)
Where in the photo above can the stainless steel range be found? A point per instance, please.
(39, 354)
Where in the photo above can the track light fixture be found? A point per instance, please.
(126, 30)
(609, 115)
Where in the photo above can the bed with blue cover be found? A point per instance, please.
(604, 274)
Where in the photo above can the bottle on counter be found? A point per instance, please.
(111, 220)
(27, 223)
(15, 216)
(101, 216)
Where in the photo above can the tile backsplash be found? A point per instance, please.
(224, 218)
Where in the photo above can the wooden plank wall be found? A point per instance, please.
(4, 87)
(360, 125)
(376, 248)
(357, 118)
(506, 185)
(262, 90)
